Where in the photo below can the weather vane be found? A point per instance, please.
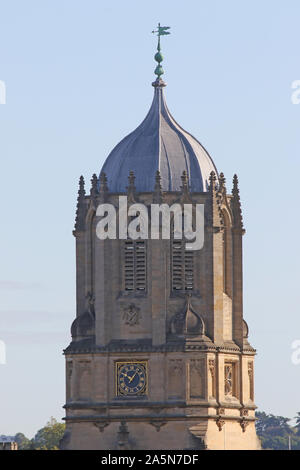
(161, 31)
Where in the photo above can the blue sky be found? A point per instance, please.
(78, 78)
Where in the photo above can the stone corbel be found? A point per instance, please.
(244, 423)
(157, 424)
(101, 425)
(220, 423)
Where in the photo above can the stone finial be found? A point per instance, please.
(235, 189)
(236, 206)
(81, 209)
(94, 185)
(222, 184)
(131, 179)
(212, 181)
(216, 212)
(131, 189)
(103, 186)
(81, 190)
(94, 189)
(157, 193)
(184, 180)
(185, 190)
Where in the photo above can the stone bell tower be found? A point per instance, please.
(159, 357)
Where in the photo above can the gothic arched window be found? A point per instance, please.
(135, 270)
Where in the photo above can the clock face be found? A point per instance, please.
(131, 378)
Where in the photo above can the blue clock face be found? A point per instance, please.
(131, 378)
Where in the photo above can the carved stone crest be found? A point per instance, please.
(131, 315)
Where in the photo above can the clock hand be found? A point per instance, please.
(131, 379)
(128, 376)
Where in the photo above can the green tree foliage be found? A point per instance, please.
(49, 436)
(23, 442)
(46, 438)
(274, 432)
(297, 427)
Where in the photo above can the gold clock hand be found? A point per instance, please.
(128, 376)
(131, 379)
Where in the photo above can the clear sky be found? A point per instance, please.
(78, 78)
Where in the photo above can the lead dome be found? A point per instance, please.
(159, 143)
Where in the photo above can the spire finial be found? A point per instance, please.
(185, 190)
(94, 188)
(236, 205)
(103, 186)
(161, 31)
(222, 184)
(131, 179)
(94, 185)
(81, 208)
(131, 190)
(157, 193)
(212, 181)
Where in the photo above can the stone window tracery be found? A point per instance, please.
(230, 379)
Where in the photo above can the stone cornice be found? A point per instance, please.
(146, 346)
(151, 417)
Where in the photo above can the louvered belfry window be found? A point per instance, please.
(135, 265)
(182, 267)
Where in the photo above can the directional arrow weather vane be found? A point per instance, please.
(161, 31)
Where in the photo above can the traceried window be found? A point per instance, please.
(182, 266)
(135, 273)
(230, 387)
